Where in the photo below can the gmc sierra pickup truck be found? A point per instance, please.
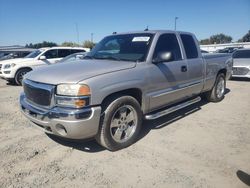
(126, 78)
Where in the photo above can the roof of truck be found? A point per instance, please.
(153, 32)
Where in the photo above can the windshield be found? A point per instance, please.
(73, 57)
(127, 47)
(34, 54)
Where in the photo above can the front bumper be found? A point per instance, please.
(7, 74)
(64, 122)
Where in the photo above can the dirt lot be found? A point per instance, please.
(206, 145)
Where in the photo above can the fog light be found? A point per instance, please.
(61, 129)
(73, 102)
(6, 72)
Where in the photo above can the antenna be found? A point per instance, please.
(77, 34)
(92, 34)
(146, 28)
(114, 33)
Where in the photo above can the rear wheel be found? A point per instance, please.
(20, 74)
(218, 91)
(121, 123)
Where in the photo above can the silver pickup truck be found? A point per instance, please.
(126, 78)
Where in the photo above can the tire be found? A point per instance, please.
(218, 91)
(19, 75)
(120, 123)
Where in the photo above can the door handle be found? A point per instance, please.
(184, 68)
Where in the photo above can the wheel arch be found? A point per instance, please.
(133, 92)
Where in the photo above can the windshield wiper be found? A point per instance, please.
(88, 57)
(109, 57)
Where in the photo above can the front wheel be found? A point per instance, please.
(218, 91)
(121, 123)
(20, 74)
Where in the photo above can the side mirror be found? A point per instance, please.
(163, 57)
(42, 57)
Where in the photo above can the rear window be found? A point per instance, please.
(189, 46)
(241, 54)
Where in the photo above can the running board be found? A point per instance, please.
(172, 109)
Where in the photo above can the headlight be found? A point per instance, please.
(7, 66)
(73, 90)
(75, 96)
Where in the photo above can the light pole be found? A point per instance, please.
(92, 34)
(175, 22)
(77, 34)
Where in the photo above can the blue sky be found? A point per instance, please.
(25, 21)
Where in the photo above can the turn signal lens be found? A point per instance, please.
(80, 103)
(83, 90)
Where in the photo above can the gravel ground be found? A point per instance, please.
(204, 145)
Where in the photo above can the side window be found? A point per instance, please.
(63, 53)
(189, 46)
(76, 51)
(168, 43)
(50, 54)
(242, 54)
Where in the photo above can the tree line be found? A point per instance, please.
(214, 39)
(85, 44)
(222, 38)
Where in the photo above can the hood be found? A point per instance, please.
(241, 62)
(16, 61)
(74, 72)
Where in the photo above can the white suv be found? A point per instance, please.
(13, 70)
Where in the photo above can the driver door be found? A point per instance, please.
(51, 57)
(168, 79)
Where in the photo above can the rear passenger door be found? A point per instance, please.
(168, 79)
(195, 64)
(63, 53)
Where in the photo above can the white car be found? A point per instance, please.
(13, 70)
(241, 63)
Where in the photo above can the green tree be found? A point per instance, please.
(41, 45)
(88, 44)
(245, 38)
(205, 41)
(220, 39)
(217, 39)
(71, 44)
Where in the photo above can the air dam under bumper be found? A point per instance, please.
(68, 123)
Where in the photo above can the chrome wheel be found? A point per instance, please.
(20, 76)
(220, 89)
(123, 123)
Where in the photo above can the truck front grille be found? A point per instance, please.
(38, 93)
(240, 70)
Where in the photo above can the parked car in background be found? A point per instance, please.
(73, 57)
(125, 78)
(14, 55)
(13, 70)
(228, 50)
(241, 63)
(15, 51)
(204, 52)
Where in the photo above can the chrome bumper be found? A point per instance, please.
(64, 122)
